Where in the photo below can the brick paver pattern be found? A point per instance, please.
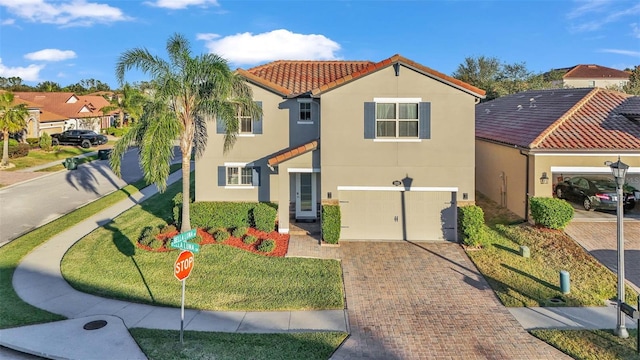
(426, 301)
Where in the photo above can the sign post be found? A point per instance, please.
(182, 269)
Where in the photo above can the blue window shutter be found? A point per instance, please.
(220, 128)
(222, 176)
(424, 120)
(369, 120)
(257, 124)
(255, 176)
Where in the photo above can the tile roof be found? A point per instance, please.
(57, 102)
(293, 78)
(559, 119)
(45, 116)
(292, 152)
(592, 71)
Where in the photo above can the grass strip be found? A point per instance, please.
(161, 344)
(591, 344)
(14, 311)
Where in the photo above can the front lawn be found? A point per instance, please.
(591, 344)
(38, 157)
(533, 281)
(108, 263)
(159, 345)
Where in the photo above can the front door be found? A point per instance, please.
(306, 207)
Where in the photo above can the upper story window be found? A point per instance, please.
(305, 111)
(246, 125)
(397, 119)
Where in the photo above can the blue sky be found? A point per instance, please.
(66, 41)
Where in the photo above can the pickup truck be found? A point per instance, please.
(84, 138)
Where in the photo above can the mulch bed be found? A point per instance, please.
(281, 241)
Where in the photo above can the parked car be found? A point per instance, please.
(594, 193)
(84, 138)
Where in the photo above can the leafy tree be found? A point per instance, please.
(191, 90)
(129, 100)
(633, 86)
(76, 88)
(14, 83)
(12, 119)
(482, 72)
(513, 78)
(48, 86)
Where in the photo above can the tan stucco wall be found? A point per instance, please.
(501, 175)
(586, 83)
(446, 159)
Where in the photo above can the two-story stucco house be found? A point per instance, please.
(391, 142)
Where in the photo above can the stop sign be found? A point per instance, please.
(183, 265)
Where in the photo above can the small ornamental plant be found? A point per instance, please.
(249, 239)
(221, 235)
(239, 232)
(267, 246)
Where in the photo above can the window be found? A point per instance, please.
(305, 111)
(397, 120)
(244, 123)
(239, 176)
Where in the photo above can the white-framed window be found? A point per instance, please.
(245, 123)
(237, 175)
(305, 111)
(397, 119)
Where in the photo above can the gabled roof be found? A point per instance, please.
(592, 71)
(58, 102)
(292, 152)
(295, 78)
(559, 119)
(45, 116)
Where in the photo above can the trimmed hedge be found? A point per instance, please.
(18, 151)
(550, 212)
(471, 227)
(266, 246)
(214, 215)
(331, 223)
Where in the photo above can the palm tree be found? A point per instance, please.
(12, 119)
(190, 91)
(130, 100)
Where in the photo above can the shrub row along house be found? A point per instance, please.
(391, 142)
(54, 112)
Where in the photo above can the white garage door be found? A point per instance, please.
(397, 215)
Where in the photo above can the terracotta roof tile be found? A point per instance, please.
(57, 102)
(292, 152)
(592, 71)
(559, 119)
(292, 78)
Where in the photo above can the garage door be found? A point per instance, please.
(397, 215)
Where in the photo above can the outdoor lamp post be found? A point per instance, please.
(619, 170)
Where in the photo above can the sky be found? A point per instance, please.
(66, 41)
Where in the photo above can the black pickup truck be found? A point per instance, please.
(84, 138)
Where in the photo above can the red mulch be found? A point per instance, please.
(281, 241)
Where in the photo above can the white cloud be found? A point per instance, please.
(595, 14)
(181, 4)
(635, 30)
(65, 13)
(586, 7)
(29, 73)
(8, 22)
(248, 49)
(621, 52)
(50, 55)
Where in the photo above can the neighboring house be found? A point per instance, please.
(526, 138)
(582, 76)
(39, 120)
(80, 112)
(390, 142)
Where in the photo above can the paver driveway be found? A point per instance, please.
(426, 301)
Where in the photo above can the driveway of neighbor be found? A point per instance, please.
(596, 232)
(426, 300)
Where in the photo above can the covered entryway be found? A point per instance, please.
(306, 203)
(390, 213)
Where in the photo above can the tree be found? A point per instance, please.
(12, 119)
(191, 91)
(48, 86)
(633, 86)
(482, 72)
(129, 100)
(513, 78)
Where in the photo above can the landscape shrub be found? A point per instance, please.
(249, 239)
(263, 217)
(239, 232)
(33, 142)
(117, 132)
(232, 215)
(45, 142)
(471, 227)
(167, 229)
(221, 235)
(18, 151)
(551, 213)
(331, 222)
(267, 246)
(148, 237)
(12, 142)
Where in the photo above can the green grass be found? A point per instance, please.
(531, 282)
(15, 312)
(38, 157)
(107, 263)
(159, 344)
(591, 344)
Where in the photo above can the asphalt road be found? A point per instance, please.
(26, 206)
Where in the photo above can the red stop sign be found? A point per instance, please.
(183, 265)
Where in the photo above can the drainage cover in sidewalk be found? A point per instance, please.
(557, 300)
(95, 325)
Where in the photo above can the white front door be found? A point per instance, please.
(306, 207)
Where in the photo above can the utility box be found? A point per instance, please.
(70, 163)
(104, 154)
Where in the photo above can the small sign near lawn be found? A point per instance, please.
(180, 241)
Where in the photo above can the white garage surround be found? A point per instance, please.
(632, 178)
(398, 213)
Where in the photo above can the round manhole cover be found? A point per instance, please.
(95, 325)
